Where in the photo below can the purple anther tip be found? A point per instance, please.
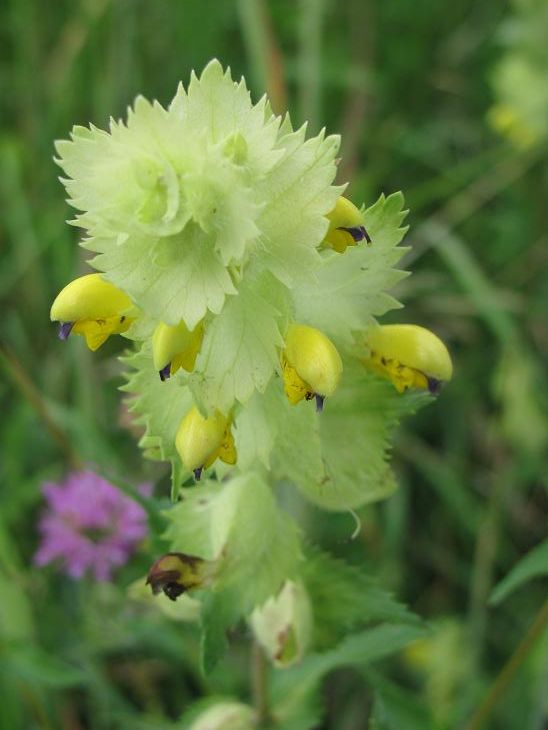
(165, 372)
(64, 330)
(358, 233)
(434, 386)
(319, 402)
(198, 473)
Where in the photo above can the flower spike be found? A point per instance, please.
(175, 347)
(201, 441)
(94, 308)
(311, 365)
(345, 226)
(409, 356)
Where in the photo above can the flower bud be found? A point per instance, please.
(228, 715)
(175, 574)
(283, 624)
(409, 356)
(175, 347)
(200, 441)
(311, 365)
(345, 226)
(94, 308)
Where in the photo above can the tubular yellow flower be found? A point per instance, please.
(311, 365)
(176, 347)
(94, 308)
(201, 441)
(409, 356)
(175, 574)
(345, 226)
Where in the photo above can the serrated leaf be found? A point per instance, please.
(240, 351)
(220, 611)
(238, 525)
(173, 278)
(338, 459)
(351, 288)
(533, 565)
(344, 597)
(298, 192)
(159, 406)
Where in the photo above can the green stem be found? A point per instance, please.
(509, 670)
(310, 41)
(259, 685)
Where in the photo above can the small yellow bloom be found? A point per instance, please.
(311, 365)
(346, 226)
(176, 573)
(176, 347)
(94, 308)
(409, 356)
(201, 441)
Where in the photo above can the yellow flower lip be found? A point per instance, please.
(175, 347)
(175, 574)
(346, 226)
(201, 441)
(92, 307)
(410, 356)
(311, 365)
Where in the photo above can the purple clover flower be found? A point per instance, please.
(89, 525)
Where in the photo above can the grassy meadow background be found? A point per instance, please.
(409, 85)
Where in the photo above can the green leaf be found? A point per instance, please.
(239, 526)
(220, 611)
(179, 277)
(396, 708)
(343, 598)
(240, 351)
(533, 565)
(350, 288)
(338, 458)
(295, 691)
(32, 663)
(298, 193)
(159, 406)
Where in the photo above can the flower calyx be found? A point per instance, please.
(175, 574)
(201, 441)
(94, 308)
(311, 365)
(346, 226)
(409, 356)
(176, 347)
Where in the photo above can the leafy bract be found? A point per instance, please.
(159, 406)
(240, 351)
(350, 289)
(239, 526)
(174, 199)
(339, 459)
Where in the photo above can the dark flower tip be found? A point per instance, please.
(65, 329)
(165, 372)
(198, 473)
(434, 386)
(319, 402)
(358, 233)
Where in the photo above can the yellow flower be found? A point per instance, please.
(94, 308)
(201, 441)
(311, 365)
(176, 573)
(409, 356)
(346, 226)
(176, 347)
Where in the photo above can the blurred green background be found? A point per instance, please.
(421, 92)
